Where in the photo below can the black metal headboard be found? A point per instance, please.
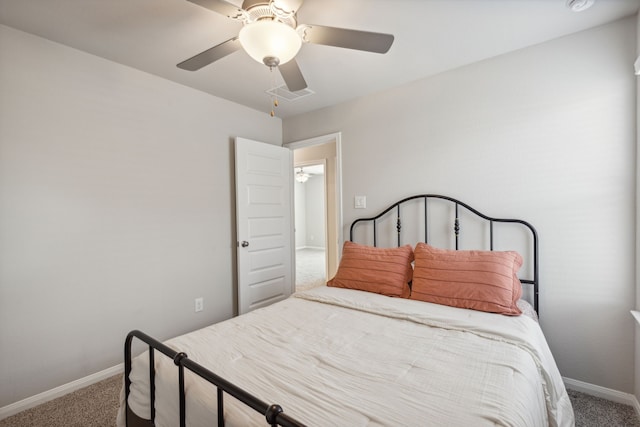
(456, 230)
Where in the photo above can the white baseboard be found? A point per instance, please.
(30, 402)
(603, 392)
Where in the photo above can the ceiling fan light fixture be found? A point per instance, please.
(579, 5)
(302, 177)
(268, 39)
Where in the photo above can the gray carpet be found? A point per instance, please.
(92, 406)
(310, 269)
(97, 405)
(596, 412)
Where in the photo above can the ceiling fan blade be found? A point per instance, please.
(288, 6)
(210, 55)
(220, 6)
(292, 76)
(350, 39)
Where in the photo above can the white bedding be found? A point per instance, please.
(341, 357)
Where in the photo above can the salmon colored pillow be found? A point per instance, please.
(385, 271)
(479, 280)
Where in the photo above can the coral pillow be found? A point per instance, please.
(385, 271)
(479, 280)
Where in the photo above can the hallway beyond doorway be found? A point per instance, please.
(310, 268)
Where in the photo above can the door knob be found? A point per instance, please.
(244, 244)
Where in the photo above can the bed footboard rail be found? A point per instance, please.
(273, 413)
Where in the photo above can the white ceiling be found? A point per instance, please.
(431, 36)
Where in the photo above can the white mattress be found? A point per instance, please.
(341, 357)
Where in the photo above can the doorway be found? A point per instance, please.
(310, 225)
(323, 150)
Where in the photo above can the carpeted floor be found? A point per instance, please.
(596, 412)
(97, 405)
(92, 406)
(310, 269)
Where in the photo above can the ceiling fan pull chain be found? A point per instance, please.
(274, 97)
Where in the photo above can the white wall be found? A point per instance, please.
(546, 134)
(300, 196)
(309, 221)
(315, 212)
(116, 195)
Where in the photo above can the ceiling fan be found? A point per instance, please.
(271, 35)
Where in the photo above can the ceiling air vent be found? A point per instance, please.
(283, 93)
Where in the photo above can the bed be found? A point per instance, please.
(386, 342)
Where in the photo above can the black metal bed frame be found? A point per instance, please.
(456, 230)
(273, 413)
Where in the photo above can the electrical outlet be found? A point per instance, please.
(199, 304)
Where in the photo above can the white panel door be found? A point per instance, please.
(264, 214)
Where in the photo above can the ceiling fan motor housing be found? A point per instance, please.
(257, 10)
